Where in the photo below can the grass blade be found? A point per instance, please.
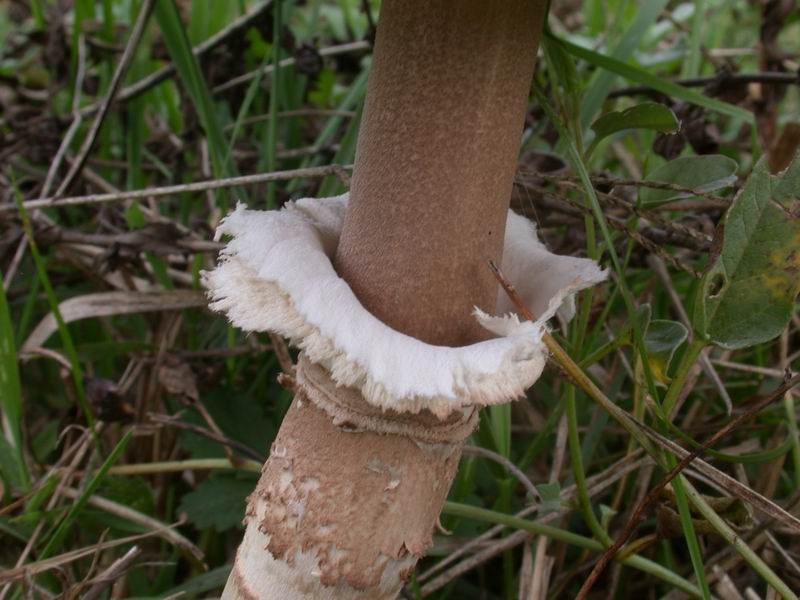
(66, 338)
(11, 395)
(642, 77)
(489, 516)
(186, 64)
(61, 531)
(602, 82)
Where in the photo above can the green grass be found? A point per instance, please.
(123, 364)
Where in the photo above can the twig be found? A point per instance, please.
(178, 466)
(212, 435)
(116, 570)
(611, 200)
(77, 121)
(645, 435)
(15, 261)
(18, 573)
(570, 367)
(163, 531)
(656, 185)
(171, 190)
(119, 74)
(641, 237)
(507, 465)
(287, 62)
(141, 86)
(653, 494)
(770, 78)
(597, 484)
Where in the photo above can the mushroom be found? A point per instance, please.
(380, 289)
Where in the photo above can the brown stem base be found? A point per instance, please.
(348, 499)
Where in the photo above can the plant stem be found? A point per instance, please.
(736, 541)
(682, 373)
(578, 471)
(183, 465)
(482, 514)
(794, 435)
(689, 534)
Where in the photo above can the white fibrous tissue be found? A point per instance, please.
(276, 274)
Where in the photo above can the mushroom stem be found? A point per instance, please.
(348, 500)
(435, 161)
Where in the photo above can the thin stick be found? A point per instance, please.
(116, 80)
(134, 516)
(116, 570)
(287, 62)
(656, 185)
(653, 494)
(141, 86)
(172, 421)
(171, 190)
(769, 78)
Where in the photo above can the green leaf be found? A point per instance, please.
(705, 173)
(551, 497)
(648, 115)
(218, 502)
(747, 294)
(661, 339)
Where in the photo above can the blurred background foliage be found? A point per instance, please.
(128, 407)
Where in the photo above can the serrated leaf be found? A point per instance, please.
(648, 115)
(218, 502)
(661, 339)
(747, 294)
(705, 173)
